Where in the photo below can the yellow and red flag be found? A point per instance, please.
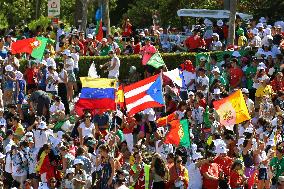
(164, 120)
(232, 109)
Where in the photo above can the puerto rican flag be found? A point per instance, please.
(144, 94)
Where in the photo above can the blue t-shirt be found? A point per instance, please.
(3, 53)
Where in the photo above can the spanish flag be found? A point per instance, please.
(164, 120)
(232, 109)
(96, 93)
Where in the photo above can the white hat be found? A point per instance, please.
(78, 161)
(66, 52)
(236, 54)
(262, 65)
(215, 34)
(196, 155)
(216, 69)
(74, 31)
(202, 58)
(245, 90)
(29, 134)
(19, 75)
(219, 142)
(262, 20)
(259, 25)
(249, 130)
(221, 149)
(42, 125)
(240, 141)
(8, 68)
(217, 91)
(2, 110)
(267, 31)
(104, 40)
(70, 170)
(220, 23)
(255, 31)
(142, 34)
(190, 93)
(90, 36)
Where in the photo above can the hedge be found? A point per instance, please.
(172, 60)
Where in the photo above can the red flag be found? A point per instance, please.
(100, 33)
(23, 46)
(164, 120)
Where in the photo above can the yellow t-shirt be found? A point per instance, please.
(263, 91)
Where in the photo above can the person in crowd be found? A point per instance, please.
(194, 42)
(112, 66)
(86, 129)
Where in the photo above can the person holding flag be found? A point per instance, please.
(112, 66)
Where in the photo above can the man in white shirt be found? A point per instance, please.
(52, 81)
(49, 61)
(112, 66)
(56, 106)
(202, 82)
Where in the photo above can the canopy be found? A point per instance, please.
(205, 13)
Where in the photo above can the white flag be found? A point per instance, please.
(175, 76)
(93, 71)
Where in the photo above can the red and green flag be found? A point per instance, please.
(99, 30)
(34, 46)
(179, 133)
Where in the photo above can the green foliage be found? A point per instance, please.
(172, 60)
(42, 21)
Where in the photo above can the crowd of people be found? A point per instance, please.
(44, 143)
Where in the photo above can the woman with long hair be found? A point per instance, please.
(62, 86)
(159, 172)
(69, 66)
(86, 128)
(106, 170)
(178, 174)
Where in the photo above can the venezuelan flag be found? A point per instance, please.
(232, 109)
(96, 93)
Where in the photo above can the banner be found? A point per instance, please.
(53, 8)
(205, 13)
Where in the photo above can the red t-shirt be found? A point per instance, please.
(194, 42)
(202, 103)
(131, 122)
(137, 48)
(236, 179)
(31, 75)
(80, 44)
(236, 74)
(224, 164)
(213, 170)
(277, 85)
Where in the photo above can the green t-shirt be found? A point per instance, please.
(220, 78)
(250, 73)
(105, 50)
(277, 166)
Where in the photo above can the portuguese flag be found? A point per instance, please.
(34, 46)
(179, 133)
(99, 30)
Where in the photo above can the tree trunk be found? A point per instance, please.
(77, 13)
(106, 19)
(232, 22)
(84, 14)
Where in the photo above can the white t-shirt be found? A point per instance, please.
(256, 41)
(194, 175)
(70, 64)
(87, 131)
(197, 114)
(204, 81)
(8, 163)
(50, 62)
(52, 84)
(17, 162)
(188, 76)
(76, 58)
(32, 159)
(114, 73)
(250, 105)
(151, 114)
(41, 138)
(164, 149)
(53, 108)
(3, 122)
(216, 45)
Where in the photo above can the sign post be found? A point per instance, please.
(53, 9)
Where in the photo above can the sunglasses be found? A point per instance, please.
(179, 161)
(53, 181)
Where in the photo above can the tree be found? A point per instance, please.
(232, 22)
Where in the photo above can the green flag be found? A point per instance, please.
(206, 118)
(39, 49)
(185, 139)
(156, 61)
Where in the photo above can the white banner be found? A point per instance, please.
(205, 13)
(53, 8)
